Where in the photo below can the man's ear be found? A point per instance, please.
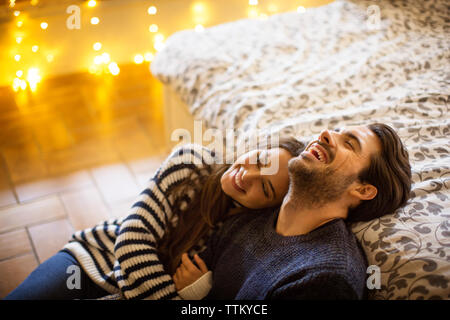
(364, 192)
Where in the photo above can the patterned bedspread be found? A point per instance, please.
(347, 63)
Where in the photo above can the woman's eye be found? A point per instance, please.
(264, 190)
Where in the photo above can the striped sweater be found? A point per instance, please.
(120, 255)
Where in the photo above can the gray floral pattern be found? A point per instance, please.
(328, 67)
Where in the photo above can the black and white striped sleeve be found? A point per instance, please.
(137, 269)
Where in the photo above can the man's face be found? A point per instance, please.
(328, 166)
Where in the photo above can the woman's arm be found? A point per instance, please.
(138, 270)
(192, 281)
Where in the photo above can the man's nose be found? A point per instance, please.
(326, 137)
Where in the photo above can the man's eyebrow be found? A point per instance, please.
(353, 137)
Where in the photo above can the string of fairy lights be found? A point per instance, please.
(102, 63)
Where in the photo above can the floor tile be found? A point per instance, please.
(85, 208)
(122, 208)
(14, 271)
(6, 196)
(35, 189)
(147, 165)
(7, 97)
(41, 210)
(145, 176)
(24, 162)
(48, 238)
(115, 182)
(157, 132)
(15, 132)
(14, 243)
(135, 143)
(6, 192)
(50, 132)
(81, 156)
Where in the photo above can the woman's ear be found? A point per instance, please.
(364, 192)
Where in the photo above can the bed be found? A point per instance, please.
(346, 63)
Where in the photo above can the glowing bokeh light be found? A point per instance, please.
(153, 28)
(33, 78)
(199, 28)
(97, 46)
(138, 59)
(16, 84)
(253, 13)
(98, 60)
(159, 37)
(114, 68)
(106, 58)
(198, 8)
(148, 56)
(158, 46)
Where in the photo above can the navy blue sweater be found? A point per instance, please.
(250, 260)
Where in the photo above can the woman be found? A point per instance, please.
(187, 197)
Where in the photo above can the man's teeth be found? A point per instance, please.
(319, 153)
(238, 182)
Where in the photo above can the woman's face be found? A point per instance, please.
(259, 178)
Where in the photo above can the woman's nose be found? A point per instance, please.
(251, 173)
(250, 161)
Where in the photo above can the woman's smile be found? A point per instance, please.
(237, 180)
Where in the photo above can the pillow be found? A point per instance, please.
(411, 247)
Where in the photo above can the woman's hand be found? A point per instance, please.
(187, 273)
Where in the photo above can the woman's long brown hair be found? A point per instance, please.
(207, 207)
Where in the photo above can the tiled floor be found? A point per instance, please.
(75, 152)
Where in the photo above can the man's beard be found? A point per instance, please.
(311, 187)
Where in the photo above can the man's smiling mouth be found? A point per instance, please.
(319, 153)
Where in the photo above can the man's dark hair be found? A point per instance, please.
(390, 172)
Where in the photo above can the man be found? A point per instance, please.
(305, 250)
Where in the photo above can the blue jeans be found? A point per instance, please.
(52, 280)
